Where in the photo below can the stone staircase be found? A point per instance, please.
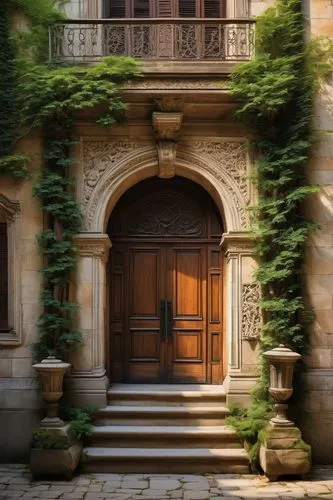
(164, 429)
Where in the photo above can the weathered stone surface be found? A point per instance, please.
(282, 438)
(196, 495)
(276, 463)
(55, 461)
(167, 484)
(244, 487)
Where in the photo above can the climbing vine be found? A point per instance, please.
(51, 99)
(35, 95)
(275, 91)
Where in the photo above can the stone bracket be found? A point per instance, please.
(167, 126)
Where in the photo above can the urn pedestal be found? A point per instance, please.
(283, 450)
(52, 372)
(55, 452)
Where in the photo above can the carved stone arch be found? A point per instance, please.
(110, 174)
(110, 168)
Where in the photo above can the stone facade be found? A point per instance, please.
(318, 270)
(210, 151)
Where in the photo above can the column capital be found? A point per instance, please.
(237, 243)
(93, 245)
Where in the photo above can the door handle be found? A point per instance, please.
(168, 319)
(163, 323)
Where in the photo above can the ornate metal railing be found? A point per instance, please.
(85, 41)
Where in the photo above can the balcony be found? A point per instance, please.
(153, 41)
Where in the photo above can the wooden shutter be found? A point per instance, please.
(115, 8)
(212, 8)
(165, 8)
(3, 276)
(141, 8)
(187, 8)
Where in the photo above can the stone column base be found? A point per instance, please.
(283, 452)
(87, 390)
(237, 387)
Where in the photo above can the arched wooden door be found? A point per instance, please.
(166, 285)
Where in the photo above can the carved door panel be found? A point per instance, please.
(145, 349)
(187, 340)
(166, 286)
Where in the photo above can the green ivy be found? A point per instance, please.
(14, 165)
(51, 98)
(80, 426)
(35, 95)
(33, 40)
(275, 93)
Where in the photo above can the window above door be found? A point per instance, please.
(164, 8)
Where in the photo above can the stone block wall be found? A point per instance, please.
(317, 422)
(20, 400)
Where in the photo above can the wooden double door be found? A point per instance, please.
(166, 291)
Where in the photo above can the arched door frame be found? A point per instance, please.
(88, 381)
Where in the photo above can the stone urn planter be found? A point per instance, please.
(52, 372)
(283, 451)
(54, 452)
(54, 449)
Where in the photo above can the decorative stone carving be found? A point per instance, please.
(93, 245)
(167, 127)
(162, 83)
(228, 165)
(167, 151)
(170, 104)
(251, 315)
(100, 156)
(107, 162)
(231, 154)
(9, 208)
(167, 214)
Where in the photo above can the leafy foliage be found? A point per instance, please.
(13, 165)
(80, 420)
(50, 99)
(55, 439)
(51, 439)
(32, 41)
(36, 95)
(275, 92)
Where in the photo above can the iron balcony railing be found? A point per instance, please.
(86, 41)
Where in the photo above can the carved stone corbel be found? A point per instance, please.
(167, 127)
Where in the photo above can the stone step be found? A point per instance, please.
(165, 460)
(161, 415)
(166, 395)
(137, 436)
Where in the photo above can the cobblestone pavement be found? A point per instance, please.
(16, 482)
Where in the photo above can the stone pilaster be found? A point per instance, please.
(87, 382)
(241, 316)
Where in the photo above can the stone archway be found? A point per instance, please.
(108, 169)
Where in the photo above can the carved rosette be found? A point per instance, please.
(251, 314)
(167, 127)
